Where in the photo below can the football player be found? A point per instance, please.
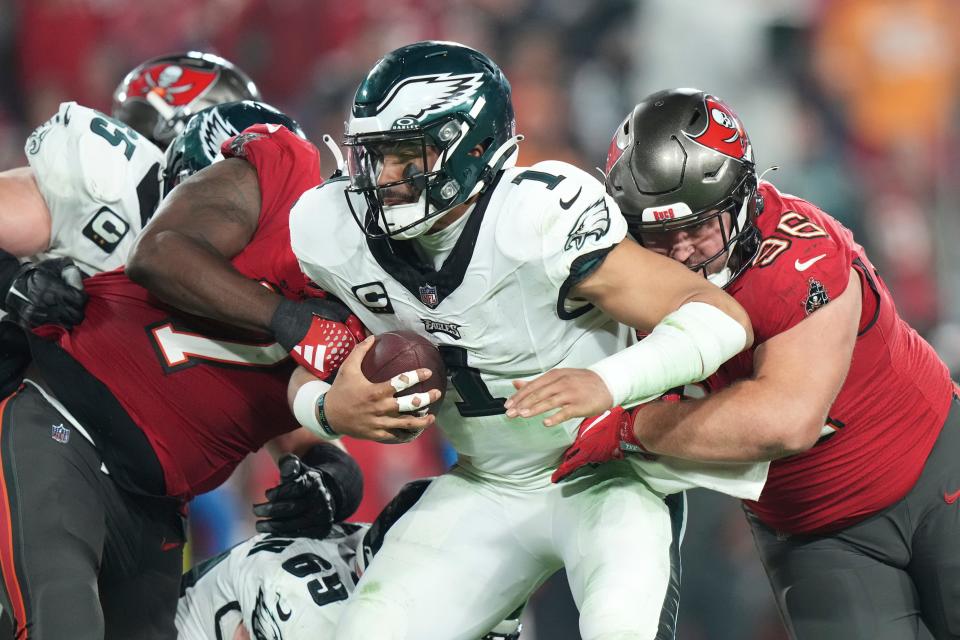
(858, 524)
(291, 588)
(139, 407)
(93, 181)
(514, 272)
(511, 283)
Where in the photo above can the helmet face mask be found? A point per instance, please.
(160, 95)
(444, 112)
(679, 160)
(419, 192)
(714, 235)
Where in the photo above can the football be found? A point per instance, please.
(396, 352)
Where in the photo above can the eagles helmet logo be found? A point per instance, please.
(214, 129)
(417, 96)
(593, 222)
(723, 133)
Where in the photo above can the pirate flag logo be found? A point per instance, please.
(816, 296)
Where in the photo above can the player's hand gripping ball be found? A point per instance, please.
(398, 352)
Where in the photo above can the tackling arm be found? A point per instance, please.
(206, 221)
(24, 216)
(642, 302)
(694, 327)
(781, 410)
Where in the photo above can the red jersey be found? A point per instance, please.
(896, 395)
(204, 396)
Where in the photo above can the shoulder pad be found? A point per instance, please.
(803, 263)
(82, 153)
(556, 212)
(322, 228)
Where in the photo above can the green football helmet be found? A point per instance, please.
(198, 146)
(440, 96)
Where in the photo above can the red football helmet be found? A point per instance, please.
(160, 95)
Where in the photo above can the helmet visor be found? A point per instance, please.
(395, 169)
(392, 171)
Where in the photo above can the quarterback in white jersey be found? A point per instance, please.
(513, 272)
(100, 181)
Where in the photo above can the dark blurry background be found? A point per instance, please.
(854, 100)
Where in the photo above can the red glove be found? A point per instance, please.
(605, 437)
(319, 333)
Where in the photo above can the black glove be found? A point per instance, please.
(45, 292)
(301, 505)
(319, 333)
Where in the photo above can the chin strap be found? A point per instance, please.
(768, 170)
(337, 155)
(503, 158)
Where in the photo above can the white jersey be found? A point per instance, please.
(277, 587)
(496, 308)
(101, 182)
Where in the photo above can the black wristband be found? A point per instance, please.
(287, 324)
(347, 485)
(322, 419)
(291, 320)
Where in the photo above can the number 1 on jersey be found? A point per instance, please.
(477, 399)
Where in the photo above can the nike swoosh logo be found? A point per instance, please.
(569, 203)
(283, 616)
(803, 266)
(950, 498)
(597, 421)
(66, 116)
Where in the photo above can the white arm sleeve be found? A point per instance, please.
(687, 346)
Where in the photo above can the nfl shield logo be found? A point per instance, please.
(428, 295)
(60, 433)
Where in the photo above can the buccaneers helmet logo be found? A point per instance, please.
(177, 85)
(619, 144)
(723, 132)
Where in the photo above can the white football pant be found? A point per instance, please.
(471, 551)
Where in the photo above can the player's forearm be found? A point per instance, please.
(728, 305)
(24, 216)
(739, 424)
(183, 273)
